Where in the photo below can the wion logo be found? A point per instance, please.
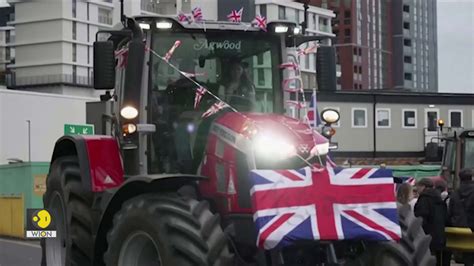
(40, 224)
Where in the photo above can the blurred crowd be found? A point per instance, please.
(439, 209)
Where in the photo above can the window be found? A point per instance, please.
(455, 118)
(360, 51)
(74, 74)
(407, 42)
(74, 30)
(7, 36)
(105, 16)
(407, 59)
(261, 77)
(297, 16)
(359, 117)
(360, 69)
(8, 53)
(347, 21)
(263, 10)
(347, 33)
(409, 118)
(74, 8)
(383, 118)
(431, 119)
(347, 14)
(408, 76)
(88, 55)
(355, 86)
(355, 69)
(406, 8)
(406, 25)
(281, 12)
(323, 24)
(74, 52)
(260, 59)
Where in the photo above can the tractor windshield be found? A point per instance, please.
(469, 153)
(241, 69)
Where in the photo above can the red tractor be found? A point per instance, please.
(163, 186)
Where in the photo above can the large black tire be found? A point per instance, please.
(412, 250)
(180, 231)
(70, 206)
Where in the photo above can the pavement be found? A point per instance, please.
(19, 252)
(28, 253)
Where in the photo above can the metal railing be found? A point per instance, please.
(13, 81)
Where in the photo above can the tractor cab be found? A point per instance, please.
(458, 154)
(171, 76)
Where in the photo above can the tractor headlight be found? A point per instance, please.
(330, 116)
(129, 112)
(273, 147)
(320, 149)
(281, 29)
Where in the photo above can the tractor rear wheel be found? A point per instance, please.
(412, 250)
(70, 206)
(166, 229)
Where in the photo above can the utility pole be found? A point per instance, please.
(29, 140)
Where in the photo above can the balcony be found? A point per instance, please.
(60, 79)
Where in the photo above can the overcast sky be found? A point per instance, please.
(456, 46)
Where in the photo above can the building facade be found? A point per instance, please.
(7, 37)
(415, 64)
(385, 44)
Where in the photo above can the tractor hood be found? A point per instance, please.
(277, 128)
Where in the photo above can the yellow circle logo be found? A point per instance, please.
(42, 219)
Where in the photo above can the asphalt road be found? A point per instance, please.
(19, 253)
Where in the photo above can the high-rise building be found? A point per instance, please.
(415, 64)
(7, 36)
(54, 40)
(385, 44)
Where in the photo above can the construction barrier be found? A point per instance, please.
(12, 216)
(459, 239)
(22, 187)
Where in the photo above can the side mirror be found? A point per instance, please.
(104, 65)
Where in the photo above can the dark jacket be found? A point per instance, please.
(461, 206)
(433, 210)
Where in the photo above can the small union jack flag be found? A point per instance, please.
(197, 14)
(291, 65)
(121, 56)
(199, 94)
(261, 22)
(235, 16)
(214, 109)
(311, 49)
(313, 115)
(323, 204)
(182, 17)
(172, 49)
(296, 104)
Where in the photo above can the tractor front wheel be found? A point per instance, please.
(70, 206)
(412, 250)
(166, 230)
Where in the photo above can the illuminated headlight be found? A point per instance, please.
(320, 149)
(129, 112)
(273, 147)
(296, 30)
(129, 129)
(144, 26)
(164, 25)
(281, 29)
(330, 116)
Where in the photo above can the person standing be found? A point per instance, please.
(461, 208)
(432, 209)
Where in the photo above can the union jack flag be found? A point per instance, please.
(235, 16)
(313, 115)
(260, 22)
(172, 49)
(296, 104)
(182, 17)
(121, 56)
(197, 14)
(214, 109)
(323, 204)
(199, 94)
(311, 49)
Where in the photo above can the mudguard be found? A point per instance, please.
(99, 159)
